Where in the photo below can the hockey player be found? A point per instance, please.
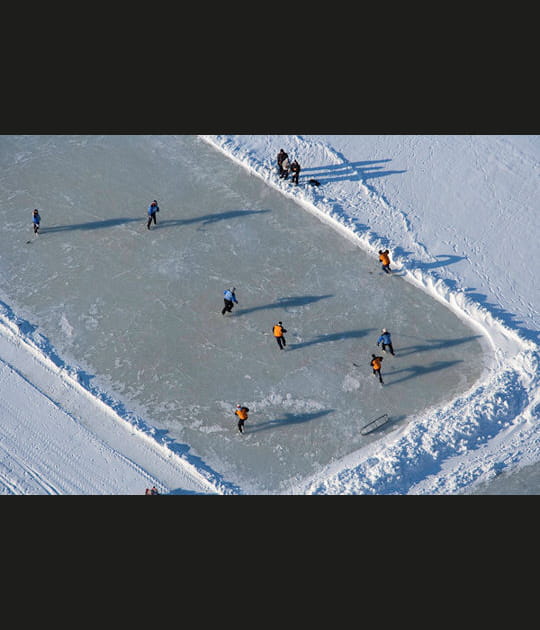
(376, 363)
(386, 340)
(36, 220)
(242, 413)
(229, 297)
(385, 260)
(153, 209)
(278, 331)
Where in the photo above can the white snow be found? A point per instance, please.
(460, 216)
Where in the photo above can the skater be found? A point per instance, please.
(385, 260)
(153, 209)
(285, 166)
(386, 340)
(36, 220)
(152, 491)
(295, 168)
(376, 365)
(242, 413)
(280, 157)
(229, 297)
(278, 331)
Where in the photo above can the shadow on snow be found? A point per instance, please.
(349, 171)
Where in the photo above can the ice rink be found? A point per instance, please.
(140, 310)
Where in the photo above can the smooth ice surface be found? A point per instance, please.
(141, 309)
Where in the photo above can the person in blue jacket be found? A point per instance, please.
(36, 220)
(229, 297)
(153, 209)
(386, 340)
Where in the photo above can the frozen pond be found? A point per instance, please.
(141, 310)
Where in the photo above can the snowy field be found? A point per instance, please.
(453, 210)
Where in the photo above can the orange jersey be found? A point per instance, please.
(376, 363)
(384, 258)
(278, 331)
(242, 413)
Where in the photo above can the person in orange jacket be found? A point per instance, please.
(385, 260)
(376, 363)
(278, 331)
(242, 413)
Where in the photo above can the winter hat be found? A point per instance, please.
(384, 330)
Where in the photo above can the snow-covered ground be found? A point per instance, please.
(460, 217)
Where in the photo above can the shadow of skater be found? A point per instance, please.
(287, 419)
(434, 344)
(208, 219)
(288, 302)
(419, 370)
(91, 225)
(348, 334)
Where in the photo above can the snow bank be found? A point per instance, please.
(78, 382)
(491, 428)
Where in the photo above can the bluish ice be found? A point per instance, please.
(140, 310)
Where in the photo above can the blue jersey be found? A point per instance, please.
(230, 296)
(384, 338)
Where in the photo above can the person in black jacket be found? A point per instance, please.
(285, 167)
(280, 157)
(295, 168)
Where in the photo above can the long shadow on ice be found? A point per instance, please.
(90, 225)
(297, 300)
(208, 219)
(433, 344)
(418, 370)
(288, 418)
(347, 334)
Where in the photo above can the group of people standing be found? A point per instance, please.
(285, 166)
